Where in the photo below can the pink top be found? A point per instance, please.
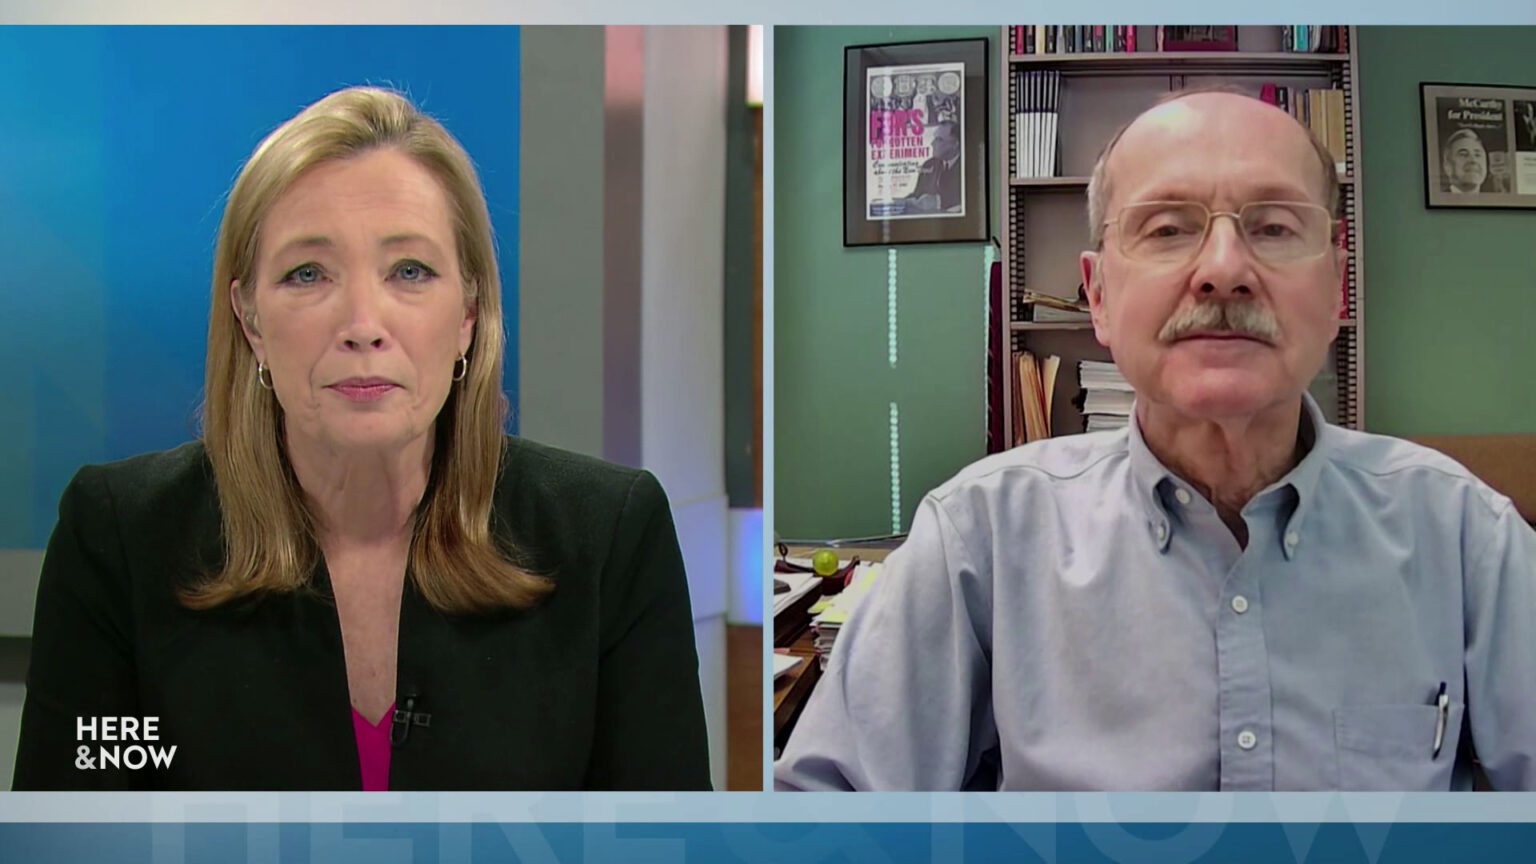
(373, 749)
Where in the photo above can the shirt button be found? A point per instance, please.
(1247, 740)
(1292, 538)
(1182, 495)
(1239, 604)
(1162, 532)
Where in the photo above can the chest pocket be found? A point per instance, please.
(1391, 747)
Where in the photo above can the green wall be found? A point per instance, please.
(833, 383)
(1450, 313)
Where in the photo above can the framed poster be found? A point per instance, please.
(916, 162)
(1479, 145)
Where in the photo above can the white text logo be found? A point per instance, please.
(125, 742)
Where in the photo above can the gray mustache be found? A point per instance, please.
(1242, 317)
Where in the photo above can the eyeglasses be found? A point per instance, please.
(1173, 232)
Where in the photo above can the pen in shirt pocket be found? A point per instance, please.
(1443, 713)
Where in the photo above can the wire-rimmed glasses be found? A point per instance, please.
(1173, 232)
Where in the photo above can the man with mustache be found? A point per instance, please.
(1229, 594)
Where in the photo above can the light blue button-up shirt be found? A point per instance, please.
(1071, 615)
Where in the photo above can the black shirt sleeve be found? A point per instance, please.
(650, 732)
(82, 663)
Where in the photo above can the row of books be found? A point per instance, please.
(1322, 111)
(1315, 39)
(1072, 38)
(1106, 396)
(1035, 112)
(1121, 38)
(1034, 386)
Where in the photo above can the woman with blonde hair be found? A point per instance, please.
(355, 579)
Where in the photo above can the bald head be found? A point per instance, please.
(1215, 127)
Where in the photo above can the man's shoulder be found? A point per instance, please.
(1405, 467)
(1065, 459)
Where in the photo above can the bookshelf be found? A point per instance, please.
(1045, 218)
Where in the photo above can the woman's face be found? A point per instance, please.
(359, 306)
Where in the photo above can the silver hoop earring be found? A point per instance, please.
(460, 368)
(264, 375)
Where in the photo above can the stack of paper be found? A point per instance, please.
(1107, 396)
(799, 584)
(831, 613)
(1049, 307)
(782, 663)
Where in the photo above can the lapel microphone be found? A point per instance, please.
(406, 717)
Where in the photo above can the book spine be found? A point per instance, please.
(1340, 130)
(1319, 115)
(1027, 126)
(1017, 116)
(1344, 277)
(1036, 117)
(1053, 100)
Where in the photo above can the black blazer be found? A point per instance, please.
(595, 688)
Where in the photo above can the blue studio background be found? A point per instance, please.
(117, 147)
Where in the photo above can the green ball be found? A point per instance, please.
(824, 562)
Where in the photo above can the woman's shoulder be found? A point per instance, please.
(571, 493)
(540, 469)
(150, 481)
(136, 521)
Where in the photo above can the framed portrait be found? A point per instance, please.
(916, 161)
(1479, 145)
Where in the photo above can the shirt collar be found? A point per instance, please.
(1150, 479)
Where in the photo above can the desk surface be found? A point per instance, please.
(864, 553)
(793, 688)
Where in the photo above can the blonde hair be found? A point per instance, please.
(270, 538)
(1098, 183)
